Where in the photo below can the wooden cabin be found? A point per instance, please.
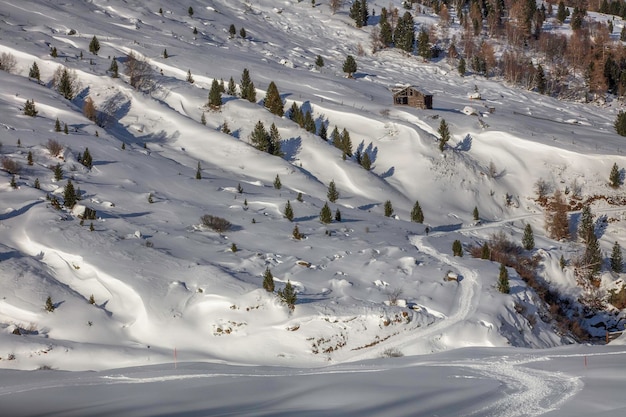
(412, 96)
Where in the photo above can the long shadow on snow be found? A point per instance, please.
(19, 211)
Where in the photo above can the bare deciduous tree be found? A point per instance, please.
(139, 72)
(335, 5)
(7, 62)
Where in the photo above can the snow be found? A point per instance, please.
(181, 324)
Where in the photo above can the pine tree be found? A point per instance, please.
(620, 123)
(356, 13)
(366, 162)
(277, 184)
(34, 72)
(247, 87)
(114, 69)
(272, 101)
(309, 122)
(232, 30)
(274, 141)
(198, 172)
(288, 295)
(388, 209)
(58, 172)
(503, 280)
(386, 31)
(65, 85)
(65, 129)
(94, 45)
(242, 33)
(189, 78)
(462, 67)
(57, 125)
(299, 197)
(326, 215)
(404, 34)
(485, 252)
(259, 138)
(562, 262)
(349, 66)
(319, 61)
(233, 248)
(475, 214)
(444, 133)
(585, 226)
(323, 132)
(346, 143)
(50, 305)
(615, 177)
(232, 87)
(417, 215)
(457, 248)
(332, 194)
(616, 258)
(13, 182)
(296, 233)
(165, 55)
(86, 159)
(288, 211)
(69, 195)
(225, 128)
(561, 13)
(29, 158)
(215, 95)
(239, 188)
(540, 80)
(29, 108)
(195, 30)
(190, 11)
(592, 257)
(92, 299)
(337, 215)
(268, 280)
(53, 52)
(203, 119)
(528, 240)
(423, 44)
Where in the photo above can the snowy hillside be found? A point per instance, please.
(146, 283)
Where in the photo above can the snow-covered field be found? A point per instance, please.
(180, 323)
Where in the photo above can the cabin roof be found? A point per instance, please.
(400, 89)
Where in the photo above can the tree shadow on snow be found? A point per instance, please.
(388, 173)
(465, 145)
(290, 147)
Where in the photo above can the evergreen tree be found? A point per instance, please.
(215, 95)
(503, 280)
(29, 108)
(296, 233)
(299, 197)
(50, 305)
(13, 182)
(319, 61)
(203, 119)
(189, 78)
(53, 52)
(29, 158)
(475, 214)
(86, 159)
(386, 31)
(326, 215)
(485, 252)
(332, 194)
(366, 162)
(620, 123)
(309, 122)
(65, 129)
(232, 31)
(356, 14)
(114, 69)
(272, 101)
(288, 211)
(585, 227)
(423, 44)
(190, 11)
(225, 128)
(274, 141)
(34, 72)
(268, 280)
(277, 184)
(288, 295)
(444, 133)
(94, 45)
(337, 215)
(388, 209)
(323, 132)
(540, 80)
(198, 172)
(349, 66)
(615, 177)
(242, 33)
(57, 125)
(404, 34)
(165, 54)
(195, 30)
(346, 143)
(58, 172)
(37, 184)
(561, 13)
(592, 257)
(457, 248)
(417, 215)
(616, 258)
(69, 195)
(232, 87)
(562, 262)
(65, 86)
(462, 67)
(528, 240)
(557, 223)
(247, 87)
(259, 138)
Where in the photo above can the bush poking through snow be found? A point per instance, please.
(288, 295)
(393, 296)
(49, 305)
(392, 353)
(11, 166)
(215, 223)
(268, 280)
(54, 147)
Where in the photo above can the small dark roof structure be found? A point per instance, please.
(412, 96)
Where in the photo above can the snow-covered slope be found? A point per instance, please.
(165, 286)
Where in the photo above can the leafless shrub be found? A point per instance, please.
(393, 295)
(11, 166)
(54, 147)
(7, 62)
(139, 72)
(542, 188)
(215, 223)
(89, 109)
(335, 5)
(360, 51)
(392, 353)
